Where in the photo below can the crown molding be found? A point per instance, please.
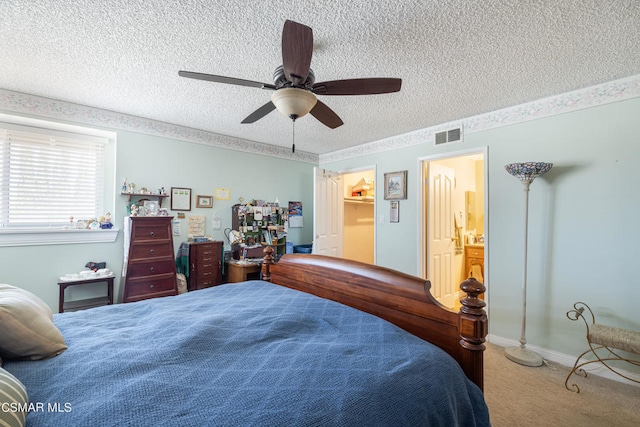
(605, 93)
(593, 96)
(36, 106)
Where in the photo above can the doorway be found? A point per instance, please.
(453, 223)
(344, 219)
(359, 216)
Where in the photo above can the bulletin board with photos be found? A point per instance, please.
(261, 223)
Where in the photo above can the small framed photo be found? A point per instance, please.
(180, 199)
(204, 201)
(395, 185)
(151, 207)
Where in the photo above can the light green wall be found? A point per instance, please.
(583, 226)
(155, 162)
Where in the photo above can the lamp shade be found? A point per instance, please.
(528, 171)
(292, 101)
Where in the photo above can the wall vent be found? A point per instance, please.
(451, 135)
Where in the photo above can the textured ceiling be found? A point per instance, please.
(457, 58)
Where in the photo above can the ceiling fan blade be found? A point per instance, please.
(326, 115)
(226, 80)
(260, 112)
(371, 86)
(297, 49)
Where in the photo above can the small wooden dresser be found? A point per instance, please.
(474, 263)
(150, 268)
(474, 257)
(205, 264)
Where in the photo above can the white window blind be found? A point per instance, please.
(48, 176)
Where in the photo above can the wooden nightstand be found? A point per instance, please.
(240, 272)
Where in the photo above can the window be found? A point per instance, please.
(49, 177)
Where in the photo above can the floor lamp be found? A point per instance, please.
(526, 173)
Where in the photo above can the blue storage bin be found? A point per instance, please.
(302, 249)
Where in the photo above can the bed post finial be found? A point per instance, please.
(473, 327)
(473, 319)
(267, 262)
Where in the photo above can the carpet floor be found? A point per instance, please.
(523, 396)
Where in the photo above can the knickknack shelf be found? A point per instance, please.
(144, 195)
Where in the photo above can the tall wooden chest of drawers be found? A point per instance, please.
(205, 265)
(151, 268)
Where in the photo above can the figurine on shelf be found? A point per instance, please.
(134, 210)
(105, 221)
(124, 186)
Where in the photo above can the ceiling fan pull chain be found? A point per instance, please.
(293, 133)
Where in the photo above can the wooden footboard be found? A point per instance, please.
(399, 298)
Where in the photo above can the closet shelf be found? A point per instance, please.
(359, 200)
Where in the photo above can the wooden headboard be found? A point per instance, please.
(399, 298)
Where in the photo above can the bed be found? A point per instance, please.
(307, 345)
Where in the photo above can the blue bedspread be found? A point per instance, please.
(250, 354)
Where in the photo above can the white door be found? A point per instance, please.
(441, 234)
(328, 200)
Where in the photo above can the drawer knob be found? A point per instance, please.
(152, 234)
(152, 287)
(152, 251)
(152, 269)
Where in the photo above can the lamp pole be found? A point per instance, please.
(526, 173)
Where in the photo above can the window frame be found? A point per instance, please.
(27, 236)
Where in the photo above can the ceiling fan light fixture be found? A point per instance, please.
(292, 101)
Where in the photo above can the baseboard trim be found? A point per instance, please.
(568, 360)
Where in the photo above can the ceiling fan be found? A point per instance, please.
(294, 84)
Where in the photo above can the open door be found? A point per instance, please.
(328, 201)
(441, 234)
(449, 187)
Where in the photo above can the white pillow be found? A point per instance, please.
(27, 331)
(13, 400)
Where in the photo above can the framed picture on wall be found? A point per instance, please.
(395, 185)
(222, 193)
(204, 201)
(180, 199)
